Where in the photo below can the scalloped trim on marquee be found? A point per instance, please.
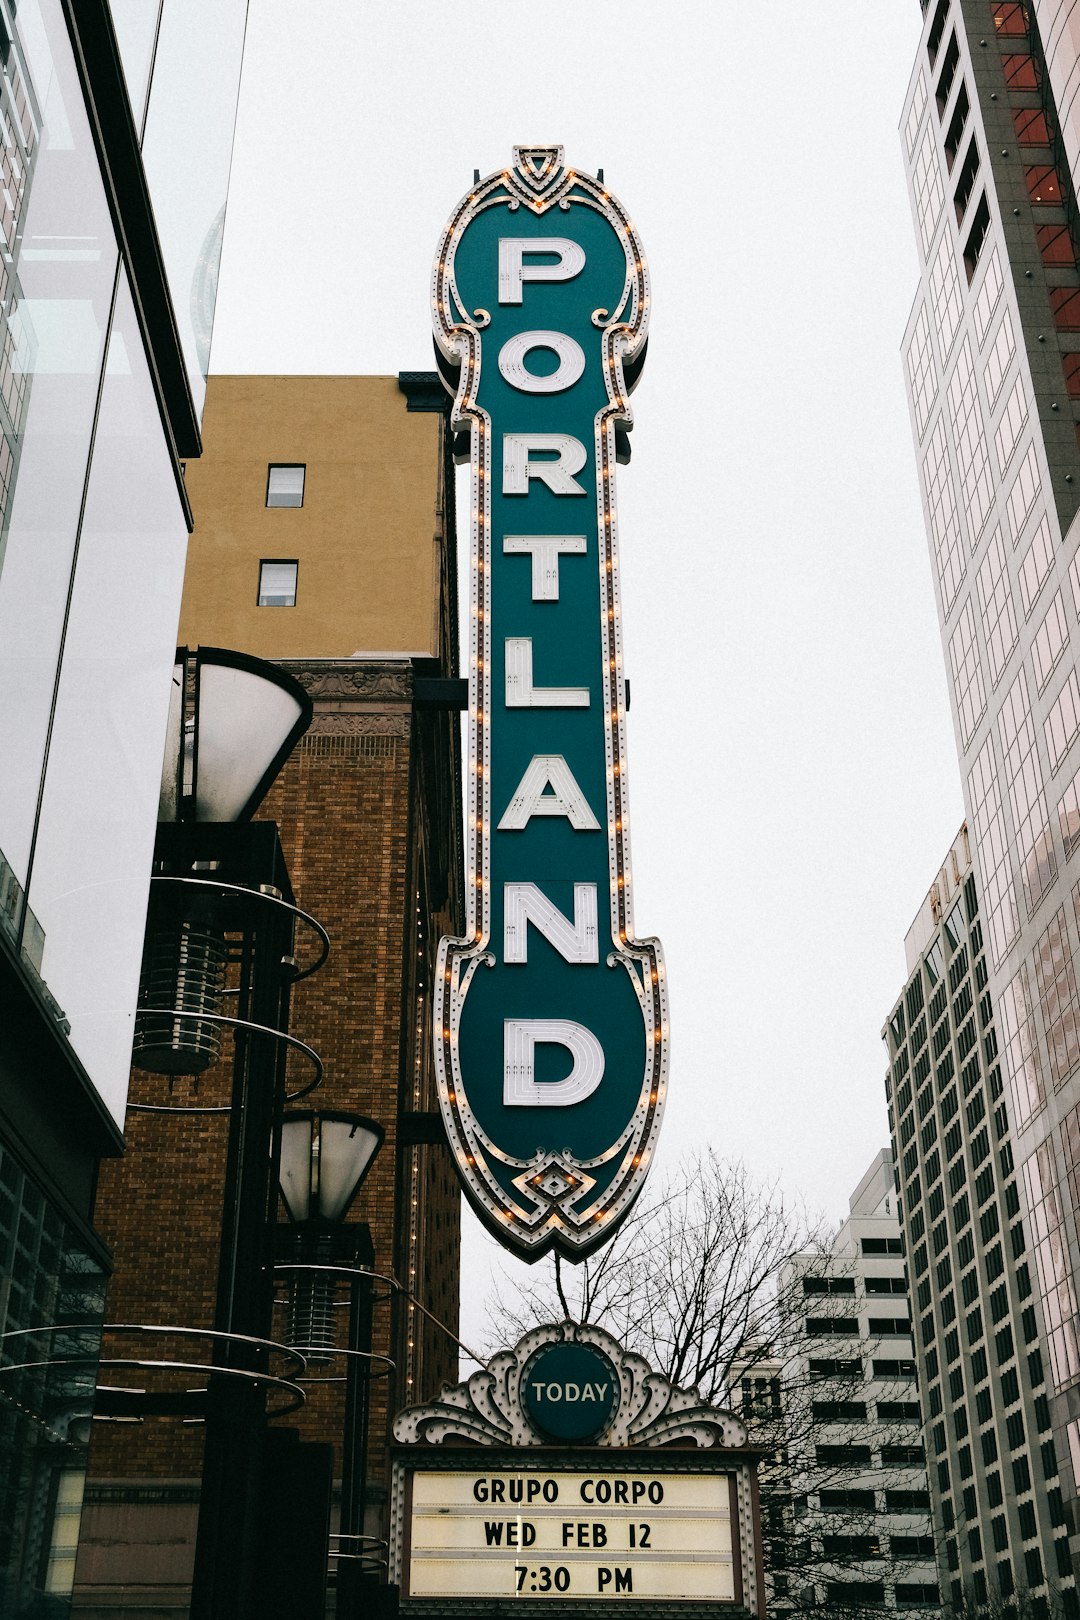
(487, 1410)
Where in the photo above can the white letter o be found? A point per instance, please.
(512, 362)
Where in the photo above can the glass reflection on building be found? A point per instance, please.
(112, 203)
(47, 1378)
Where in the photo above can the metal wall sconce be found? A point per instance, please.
(220, 933)
(233, 720)
(324, 1160)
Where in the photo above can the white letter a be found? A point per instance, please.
(532, 799)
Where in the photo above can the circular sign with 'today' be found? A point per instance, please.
(569, 1391)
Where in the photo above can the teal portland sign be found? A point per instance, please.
(551, 1030)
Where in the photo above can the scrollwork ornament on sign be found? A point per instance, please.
(551, 1022)
(488, 1408)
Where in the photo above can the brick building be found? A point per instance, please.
(324, 541)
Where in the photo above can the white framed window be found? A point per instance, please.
(277, 583)
(285, 483)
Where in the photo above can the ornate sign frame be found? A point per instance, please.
(542, 1175)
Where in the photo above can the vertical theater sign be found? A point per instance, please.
(551, 1020)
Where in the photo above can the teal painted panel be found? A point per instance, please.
(569, 1391)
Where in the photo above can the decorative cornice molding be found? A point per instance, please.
(327, 680)
(359, 725)
(424, 391)
(487, 1409)
(354, 697)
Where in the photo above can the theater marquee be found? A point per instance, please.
(569, 1475)
(550, 1017)
(587, 1535)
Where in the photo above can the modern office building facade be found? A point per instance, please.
(992, 356)
(999, 1515)
(859, 1531)
(101, 378)
(324, 541)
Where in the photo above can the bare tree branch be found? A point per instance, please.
(693, 1281)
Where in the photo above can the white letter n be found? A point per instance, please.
(524, 903)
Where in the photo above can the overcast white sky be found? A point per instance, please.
(794, 785)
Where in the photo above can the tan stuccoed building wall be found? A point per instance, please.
(365, 538)
(368, 812)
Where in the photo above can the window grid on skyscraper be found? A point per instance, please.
(986, 301)
(914, 118)
(1069, 816)
(922, 372)
(997, 364)
(1015, 1011)
(945, 293)
(1052, 1261)
(993, 842)
(1060, 725)
(967, 675)
(929, 192)
(944, 517)
(995, 600)
(999, 624)
(1019, 320)
(840, 1477)
(1025, 488)
(1057, 994)
(13, 173)
(1035, 567)
(980, 1387)
(1012, 422)
(1051, 639)
(1069, 1134)
(971, 455)
(1023, 773)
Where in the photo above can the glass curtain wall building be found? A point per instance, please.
(111, 209)
(992, 355)
(992, 1462)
